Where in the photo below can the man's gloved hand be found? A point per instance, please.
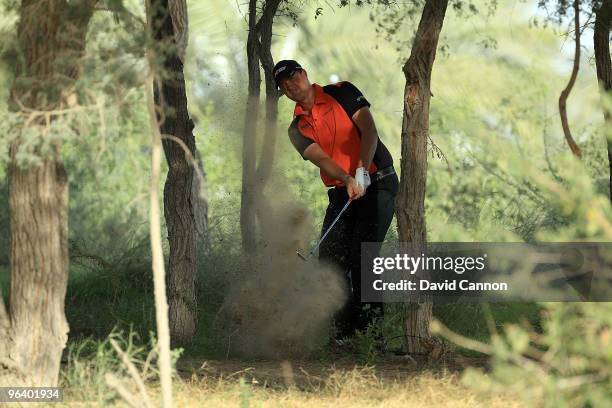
(363, 178)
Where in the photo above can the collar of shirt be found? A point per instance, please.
(321, 98)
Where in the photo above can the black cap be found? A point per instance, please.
(284, 69)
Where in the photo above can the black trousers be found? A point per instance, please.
(365, 220)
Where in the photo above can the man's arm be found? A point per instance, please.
(369, 136)
(315, 154)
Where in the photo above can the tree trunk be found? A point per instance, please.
(51, 39)
(177, 136)
(601, 43)
(415, 132)
(255, 175)
(247, 202)
(264, 30)
(266, 158)
(39, 268)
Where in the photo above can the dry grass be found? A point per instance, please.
(356, 387)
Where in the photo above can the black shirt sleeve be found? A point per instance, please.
(299, 141)
(348, 96)
(351, 99)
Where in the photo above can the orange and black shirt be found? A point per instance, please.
(329, 124)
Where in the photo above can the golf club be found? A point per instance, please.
(306, 258)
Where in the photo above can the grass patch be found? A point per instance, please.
(99, 300)
(102, 299)
(360, 386)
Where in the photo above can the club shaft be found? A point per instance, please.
(331, 226)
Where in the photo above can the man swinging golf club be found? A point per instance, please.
(334, 129)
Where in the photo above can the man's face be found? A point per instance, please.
(296, 86)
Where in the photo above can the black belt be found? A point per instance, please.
(382, 173)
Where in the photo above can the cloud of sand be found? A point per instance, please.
(282, 306)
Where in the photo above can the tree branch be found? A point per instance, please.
(565, 93)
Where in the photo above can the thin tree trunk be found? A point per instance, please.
(256, 175)
(34, 332)
(415, 132)
(266, 158)
(174, 123)
(601, 43)
(565, 93)
(264, 30)
(159, 272)
(247, 202)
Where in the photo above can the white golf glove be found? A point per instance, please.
(362, 177)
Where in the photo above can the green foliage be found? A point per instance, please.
(108, 69)
(382, 335)
(5, 281)
(568, 364)
(397, 21)
(4, 226)
(480, 320)
(558, 11)
(37, 141)
(90, 359)
(245, 393)
(100, 298)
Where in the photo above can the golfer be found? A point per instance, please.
(334, 129)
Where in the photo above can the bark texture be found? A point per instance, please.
(176, 129)
(415, 133)
(601, 43)
(33, 334)
(39, 269)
